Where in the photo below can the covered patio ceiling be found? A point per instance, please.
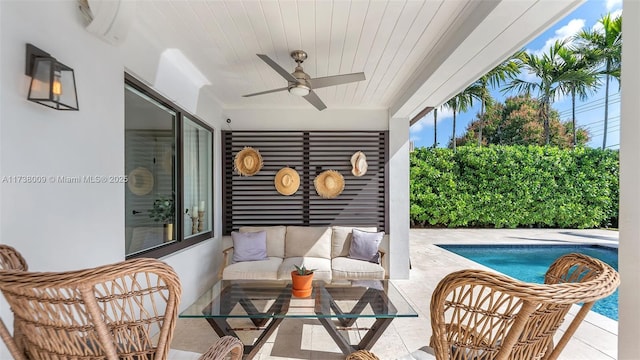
(415, 54)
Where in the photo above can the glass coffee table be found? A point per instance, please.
(337, 306)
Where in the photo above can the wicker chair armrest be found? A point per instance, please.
(362, 355)
(11, 259)
(10, 343)
(382, 253)
(226, 345)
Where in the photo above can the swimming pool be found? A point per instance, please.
(530, 262)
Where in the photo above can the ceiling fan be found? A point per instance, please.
(301, 84)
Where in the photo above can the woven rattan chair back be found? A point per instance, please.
(126, 310)
(11, 260)
(482, 315)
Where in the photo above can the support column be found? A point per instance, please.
(398, 196)
(629, 251)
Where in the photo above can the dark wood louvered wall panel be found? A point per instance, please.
(253, 200)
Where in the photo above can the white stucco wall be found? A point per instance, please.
(51, 224)
(307, 119)
(629, 252)
(61, 227)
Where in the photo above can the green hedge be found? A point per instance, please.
(514, 186)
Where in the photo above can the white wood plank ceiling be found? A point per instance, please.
(413, 53)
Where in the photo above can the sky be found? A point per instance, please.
(589, 113)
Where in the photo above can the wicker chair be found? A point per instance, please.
(482, 315)
(11, 259)
(126, 310)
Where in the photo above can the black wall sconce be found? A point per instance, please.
(53, 84)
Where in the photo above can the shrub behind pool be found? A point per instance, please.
(514, 186)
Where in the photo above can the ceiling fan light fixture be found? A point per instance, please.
(299, 90)
(300, 83)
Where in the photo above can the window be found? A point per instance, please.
(168, 159)
(197, 145)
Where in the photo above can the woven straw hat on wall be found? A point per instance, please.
(248, 161)
(287, 181)
(359, 163)
(329, 184)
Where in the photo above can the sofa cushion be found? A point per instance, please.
(345, 268)
(275, 238)
(313, 241)
(249, 246)
(321, 267)
(341, 239)
(364, 245)
(253, 270)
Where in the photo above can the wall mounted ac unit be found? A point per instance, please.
(108, 19)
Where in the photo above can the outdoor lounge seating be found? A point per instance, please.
(327, 249)
(477, 314)
(126, 310)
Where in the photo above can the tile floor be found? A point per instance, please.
(306, 339)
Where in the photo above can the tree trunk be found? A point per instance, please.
(606, 107)
(545, 121)
(435, 128)
(481, 122)
(573, 115)
(454, 131)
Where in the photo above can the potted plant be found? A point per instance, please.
(302, 279)
(163, 211)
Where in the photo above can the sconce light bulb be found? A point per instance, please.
(56, 87)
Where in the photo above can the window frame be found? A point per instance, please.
(181, 242)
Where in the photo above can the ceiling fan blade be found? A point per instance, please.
(313, 98)
(279, 69)
(266, 92)
(336, 80)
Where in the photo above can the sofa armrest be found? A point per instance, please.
(226, 256)
(383, 249)
(381, 260)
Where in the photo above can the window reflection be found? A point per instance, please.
(149, 163)
(197, 178)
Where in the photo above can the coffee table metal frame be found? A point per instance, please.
(372, 300)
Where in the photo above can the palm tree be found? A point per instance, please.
(605, 46)
(508, 69)
(462, 102)
(577, 79)
(546, 83)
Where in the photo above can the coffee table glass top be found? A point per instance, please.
(273, 299)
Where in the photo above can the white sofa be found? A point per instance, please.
(323, 248)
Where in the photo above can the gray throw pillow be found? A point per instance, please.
(249, 246)
(364, 245)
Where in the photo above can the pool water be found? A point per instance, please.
(530, 262)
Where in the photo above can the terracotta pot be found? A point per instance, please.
(301, 284)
